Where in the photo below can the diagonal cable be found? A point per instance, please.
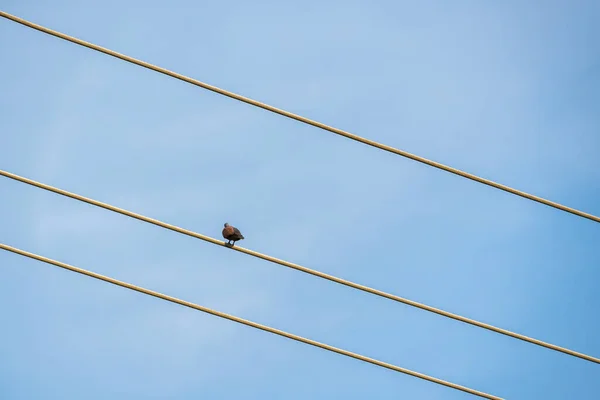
(300, 267)
(301, 119)
(248, 323)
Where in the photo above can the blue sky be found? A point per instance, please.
(506, 90)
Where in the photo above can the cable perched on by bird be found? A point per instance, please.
(248, 323)
(300, 118)
(299, 267)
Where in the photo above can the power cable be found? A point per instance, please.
(299, 267)
(302, 119)
(248, 323)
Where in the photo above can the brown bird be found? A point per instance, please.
(232, 234)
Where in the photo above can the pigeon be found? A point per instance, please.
(232, 234)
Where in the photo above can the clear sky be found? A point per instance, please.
(506, 90)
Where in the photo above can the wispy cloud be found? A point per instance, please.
(475, 86)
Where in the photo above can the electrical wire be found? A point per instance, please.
(301, 119)
(299, 267)
(248, 323)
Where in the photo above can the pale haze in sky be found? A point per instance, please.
(509, 91)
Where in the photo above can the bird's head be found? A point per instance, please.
(226, 225)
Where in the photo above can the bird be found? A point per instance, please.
(232, 234)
